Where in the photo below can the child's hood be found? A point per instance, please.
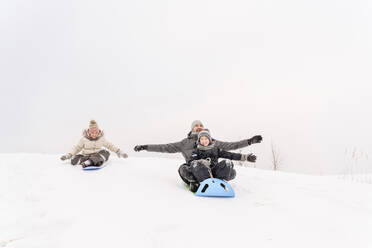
(86, 134)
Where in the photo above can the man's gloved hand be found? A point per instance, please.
(140, 148)
(255, 139)
(67, 156)
(122, 154)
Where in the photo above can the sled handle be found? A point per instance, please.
(209, 167)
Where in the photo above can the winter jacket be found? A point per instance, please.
(213, 153)
(187, 145)
(89, 146)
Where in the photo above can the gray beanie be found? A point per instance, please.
(194, 123)
(205, 133)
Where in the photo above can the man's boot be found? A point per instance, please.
(194, 186)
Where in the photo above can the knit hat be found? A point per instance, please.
(194, 123)
(205, 133)
(93, 124)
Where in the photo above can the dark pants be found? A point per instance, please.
(186, 174)
(97, 159)
(222, 170)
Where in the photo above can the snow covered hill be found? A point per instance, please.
(141, 202)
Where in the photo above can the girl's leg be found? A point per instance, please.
(99, 158)
(105, 154)
(86, 163)
(76, 159)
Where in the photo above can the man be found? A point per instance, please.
(187, 145)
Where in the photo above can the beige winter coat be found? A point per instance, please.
(89, 146)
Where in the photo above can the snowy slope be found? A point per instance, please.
(141, 202)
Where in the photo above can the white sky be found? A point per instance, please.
(297, 72)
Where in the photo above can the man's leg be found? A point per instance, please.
(185, 174)
(224, 170)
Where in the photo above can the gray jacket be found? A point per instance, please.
(187, 145)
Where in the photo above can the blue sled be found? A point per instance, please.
(92, 168)
(213, 187)
(89, 168)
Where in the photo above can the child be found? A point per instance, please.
(91, 144)
(204, 160)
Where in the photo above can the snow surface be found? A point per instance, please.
(141, 202)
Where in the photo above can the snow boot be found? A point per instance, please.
(86, 163)
(194, 187)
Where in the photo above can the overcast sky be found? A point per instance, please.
(296, 72)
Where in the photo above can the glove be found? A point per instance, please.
(249, 157)
(140, 148)
(122, 154)
(255, 139)
(67, 156)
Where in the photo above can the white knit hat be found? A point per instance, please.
(196, 122)
(93, 124)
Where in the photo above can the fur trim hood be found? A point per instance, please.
(86, 134)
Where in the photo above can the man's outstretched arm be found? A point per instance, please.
(163, 148)
(227, 146)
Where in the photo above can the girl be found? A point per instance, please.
(91, 146)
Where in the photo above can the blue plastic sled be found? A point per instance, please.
(89, 168)
(213, 187)
(92, 168)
